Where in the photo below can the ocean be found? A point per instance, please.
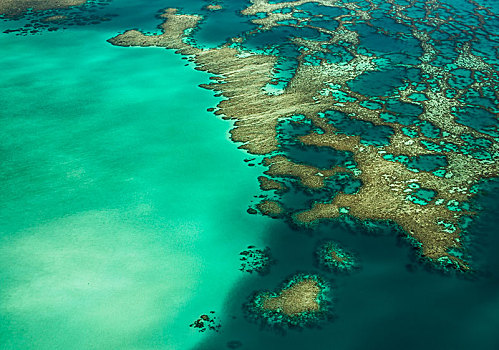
(124, 204)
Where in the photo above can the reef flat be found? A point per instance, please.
(13, 8)
(378, 80)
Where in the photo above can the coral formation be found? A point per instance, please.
(255, 260)
(12, 8)
(334, 258)
(303, 300)
(394, 110)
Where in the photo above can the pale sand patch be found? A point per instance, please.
(95, 280)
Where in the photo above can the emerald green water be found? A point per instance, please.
(123, 201)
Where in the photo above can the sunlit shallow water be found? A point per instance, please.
(123, 200)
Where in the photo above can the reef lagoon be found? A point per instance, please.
(249, 174)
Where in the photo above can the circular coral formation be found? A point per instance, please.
(334, 258)
(303, 300)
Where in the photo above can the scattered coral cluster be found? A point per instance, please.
(13, 8)
(41, 16)
(255, 260)
(206, 322)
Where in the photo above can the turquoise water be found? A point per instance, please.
(123, 200)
